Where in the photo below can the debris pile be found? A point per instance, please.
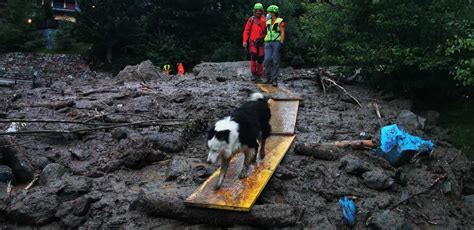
(124, 153)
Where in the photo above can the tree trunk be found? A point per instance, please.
(163, 205)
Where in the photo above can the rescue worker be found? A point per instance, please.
(253, 40)
(274, 41)
(180, 69)
(167, 69)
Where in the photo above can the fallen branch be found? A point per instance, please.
(318, 151)
(36, 178)
(99, 91)
(51, 121)
(298, 78)
(341, 88)
(355, 144)
(435, 182)
(141, 123)
(9, 188)
(55, 105)
(267, 215)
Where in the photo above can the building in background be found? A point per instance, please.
(62, 9)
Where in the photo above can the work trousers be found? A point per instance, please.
(272, 61)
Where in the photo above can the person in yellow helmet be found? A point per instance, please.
(274, 41)
(167, 69)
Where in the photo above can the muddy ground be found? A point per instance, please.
(95, 179)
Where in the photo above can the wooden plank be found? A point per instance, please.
(240, 194)
(279, 93)
(284, 114)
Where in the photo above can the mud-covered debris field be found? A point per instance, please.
(137, 147)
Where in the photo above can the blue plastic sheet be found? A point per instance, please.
(349, 210)
(395, 141)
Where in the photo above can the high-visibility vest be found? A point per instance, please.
(180, 69)
(273, 31)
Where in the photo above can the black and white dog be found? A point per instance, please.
(240, 132)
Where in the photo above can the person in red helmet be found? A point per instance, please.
(253, 40)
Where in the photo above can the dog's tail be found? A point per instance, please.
(258, 97)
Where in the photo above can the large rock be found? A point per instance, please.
(6, 174)
(35, 208)
(223, 70)
(389, 220)
(51, 172)
(183, 168)
(377, 179)
(432, 117)
(410, 121)
(171, 142)
(72, 213)
(71, 187)
(143, 71)
(354, 166)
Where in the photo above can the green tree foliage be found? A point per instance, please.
(63, 36)
(115, 28)
(408, 45)
(14, 32)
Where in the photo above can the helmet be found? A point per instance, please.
(273, 8)
(258, 6)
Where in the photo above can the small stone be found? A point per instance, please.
(355, 166)
(389, 220)
(51, 172)
(120, 133)
(377, 180)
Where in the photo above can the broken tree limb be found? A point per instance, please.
(36, 178)
(140, 123)
(435, 182)
(168, 206)
(54, 105)
(356, 144)
(51, 121)
(85, 94)
(9, 188)
(318, 151)
(298, 78)
(341, 88)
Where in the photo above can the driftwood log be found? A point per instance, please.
(330, 151)
(318, 151)
(52, 105)
(163, 205)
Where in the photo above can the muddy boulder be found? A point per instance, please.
(410, 121)
(51, 172)
(72, 213)
(182, 168)
(170, 142)
(38, 207)
(377, 179)
(354, 166)
(142, 72)
(390, 220)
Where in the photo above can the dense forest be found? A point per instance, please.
(415, 48)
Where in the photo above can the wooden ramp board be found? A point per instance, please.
(240, 194)
(279, 93)
(284, 114)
